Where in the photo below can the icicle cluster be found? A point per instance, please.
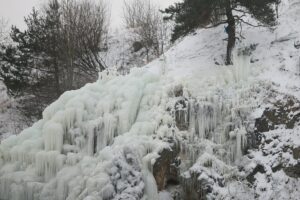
(90, 143)
(97, 142)
(218, 114)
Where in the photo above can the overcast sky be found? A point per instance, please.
(15, 10)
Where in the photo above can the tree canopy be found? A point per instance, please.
(191, 14)
(58, 50)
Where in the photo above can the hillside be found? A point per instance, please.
(183, 127)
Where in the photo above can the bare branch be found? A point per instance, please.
(241, 11)
(249, 24)
(216, 24)
(145, 19)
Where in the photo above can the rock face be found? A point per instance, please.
(258, 169)
(166, 167)
(284, 113)
(276, 151)
(199, 183)
(293, 171)
(181, 117)
(181, 109)
(276, 154)
(296, 153)
(194, 189)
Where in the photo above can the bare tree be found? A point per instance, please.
(58, 51)
(92, 34)
(132, 11)
(145, 19)
(84, 29)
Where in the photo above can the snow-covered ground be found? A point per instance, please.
(122, 54)
(101, 141)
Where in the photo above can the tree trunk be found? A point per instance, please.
(277, 5)
(147, 54)
(231, 34)
(56, 75)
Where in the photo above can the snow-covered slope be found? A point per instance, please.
(103, 141)
(120, 52)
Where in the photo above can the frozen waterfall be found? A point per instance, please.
(97, 142)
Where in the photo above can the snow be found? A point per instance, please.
(272, 183)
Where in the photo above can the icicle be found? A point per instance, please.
(92, 139)
(240, 142)
(53, 134)
(94, 134)
(107, 133)
(85, 129)
(48, 163)
(151, 191)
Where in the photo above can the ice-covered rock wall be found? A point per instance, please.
(93, 143)
(214, 127)
(101, 142)
(219, 112)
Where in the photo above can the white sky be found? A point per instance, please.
(15, 10)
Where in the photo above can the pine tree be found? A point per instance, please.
(58, 51)
(191, 14)
(14, 70)
(36, 51)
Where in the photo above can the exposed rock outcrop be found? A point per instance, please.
(181, 117)
(198, 184)
(258, 169)
(166, 167)
(286, 113)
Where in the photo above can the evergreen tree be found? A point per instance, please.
(58, 51)
(14, 70)
(191, 14)
(31, 57)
